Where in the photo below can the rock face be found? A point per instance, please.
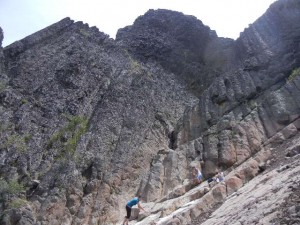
(180, 44)
(244, 107)
(87, 122)
(1, 50)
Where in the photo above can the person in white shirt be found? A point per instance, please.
(198, 174)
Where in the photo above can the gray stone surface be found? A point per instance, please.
(97, 120)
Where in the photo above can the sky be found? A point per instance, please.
(20, 18)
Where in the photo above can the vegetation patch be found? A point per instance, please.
(10, 140)
(24, 101)
(19, 142)
(2, 86)
(14, 187)
(84, 32)
(11, 188)
(135, 66)
(69, 136)
(17, 203)
(294, 74)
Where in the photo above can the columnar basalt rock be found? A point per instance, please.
(97, 120)
(3, 77)
(1, 50)
(181, 44)
(258, 97)
(87, 114)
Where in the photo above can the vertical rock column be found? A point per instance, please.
(1, 51)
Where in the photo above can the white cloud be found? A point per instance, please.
(22, 18)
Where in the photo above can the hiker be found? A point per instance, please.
(211, 181)
(129, 205)
(198, 174)
(220, 177)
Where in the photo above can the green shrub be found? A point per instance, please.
(17, 203)
(76, 127)
(17, 141)
(24, 101)
(14, 187)
(79, 127)
(3, 186)
(294, 74)
(2, 87)
(84, 32)
(135, 66)
(27, 138)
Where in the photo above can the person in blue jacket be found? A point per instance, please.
(132, 202)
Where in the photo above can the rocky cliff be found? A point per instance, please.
(87, 121)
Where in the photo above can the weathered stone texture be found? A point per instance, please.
(97, 120)
(71, 80)
(1, 51)
(263, 101)
(181, 44)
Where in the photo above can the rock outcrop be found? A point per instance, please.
(244, 107)
(87, 121)
(180, 44)
(1, 51)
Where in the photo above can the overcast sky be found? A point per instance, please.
(20, 18)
